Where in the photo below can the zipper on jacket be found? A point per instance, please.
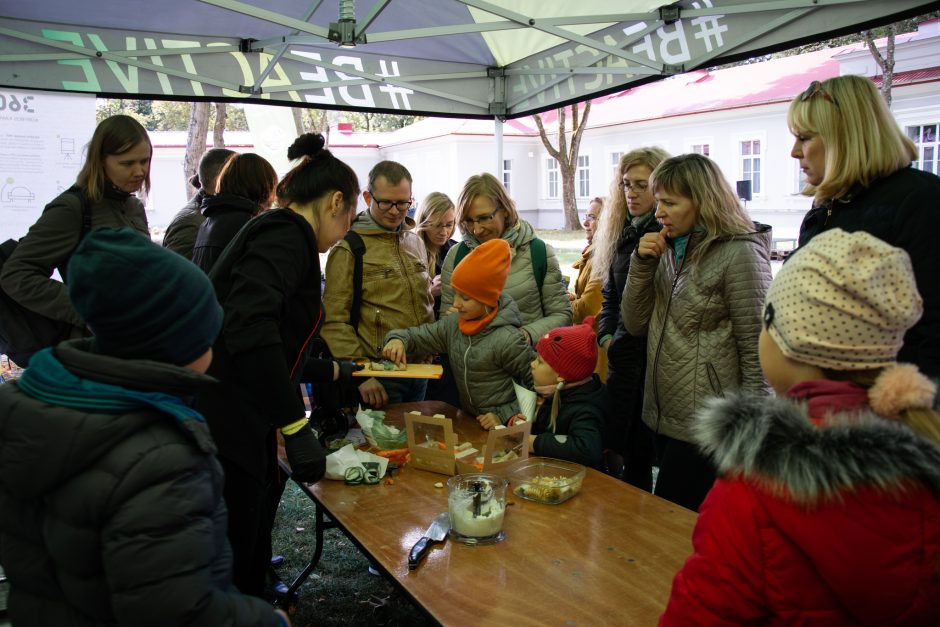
(378, 331)
(466, 384)
(659, 345)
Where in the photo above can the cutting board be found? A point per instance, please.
(414, 371)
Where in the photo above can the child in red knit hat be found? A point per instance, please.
(570, 426)
(484, 345)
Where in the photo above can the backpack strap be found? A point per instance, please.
(86, 210)
(539, 261)
(358, 248)
(462, 250)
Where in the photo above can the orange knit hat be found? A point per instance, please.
(482, 274)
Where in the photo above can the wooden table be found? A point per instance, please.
(607, 556)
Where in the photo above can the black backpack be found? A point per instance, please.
(23, 332)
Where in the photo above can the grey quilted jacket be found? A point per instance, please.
(484, 364)
(540, 312)
(702, 322)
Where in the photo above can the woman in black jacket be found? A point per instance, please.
(627, 217)
(268, 283)
(246, 188)
(857, 164)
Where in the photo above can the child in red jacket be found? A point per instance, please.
(827, 510)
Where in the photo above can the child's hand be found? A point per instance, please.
(489, 420)
(395, 351)
(516, 420)
(653, 244)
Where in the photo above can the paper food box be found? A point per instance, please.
(505, 449)
(431, 440)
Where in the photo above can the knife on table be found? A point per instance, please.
(435, 533)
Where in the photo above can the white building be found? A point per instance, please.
(736, 115)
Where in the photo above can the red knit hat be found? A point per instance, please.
(482, 274)
(570, 351)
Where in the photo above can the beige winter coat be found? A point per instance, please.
(702, 323)
(395, 289)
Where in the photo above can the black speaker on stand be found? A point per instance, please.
(744, 190)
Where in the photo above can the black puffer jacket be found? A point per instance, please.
(268, 283)
(624, 351)
(114, 518)
(902, 209)
(578, 425)
(225, 215)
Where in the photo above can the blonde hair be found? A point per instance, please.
(862, 140)
(431, 208)
(486, 185)
(615, 211)
(924, 422)
(113, 136)
(699, 179)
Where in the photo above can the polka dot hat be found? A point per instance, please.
(844, 302)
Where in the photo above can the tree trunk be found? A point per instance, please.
(218, 131)
(567, 159)
(886, 63)
(298, 120)
(572, 220)
(195, 142)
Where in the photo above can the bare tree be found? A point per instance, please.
(567, 158)
(218, 130)
(318, 121)
(886, 63)
(195, 142)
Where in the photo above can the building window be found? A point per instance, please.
(584, 176)
(615, 164)
(507, 175)
(800, 181)
(701, 149)
(750, 153)
(928, 147)
(551, 169)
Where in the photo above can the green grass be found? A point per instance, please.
(340, 591)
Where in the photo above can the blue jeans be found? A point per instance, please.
(405, 390)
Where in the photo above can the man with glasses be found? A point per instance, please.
(394, 288)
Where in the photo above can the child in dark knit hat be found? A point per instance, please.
(484, 345)
(570, 426)
(112, 500)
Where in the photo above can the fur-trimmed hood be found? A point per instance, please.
(772, 441)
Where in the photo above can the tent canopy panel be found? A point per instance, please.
(468, 58)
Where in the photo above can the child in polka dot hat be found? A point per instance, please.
(836, 482)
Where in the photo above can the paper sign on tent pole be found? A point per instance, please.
(272, 132)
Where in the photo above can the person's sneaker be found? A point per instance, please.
(277, 560)
(374, 571)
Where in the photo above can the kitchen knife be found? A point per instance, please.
(435, 533)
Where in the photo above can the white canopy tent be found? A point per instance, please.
(467, 58)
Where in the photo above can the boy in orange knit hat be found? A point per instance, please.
(484, 345)
(570, 426)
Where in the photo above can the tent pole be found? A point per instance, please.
(498, 124)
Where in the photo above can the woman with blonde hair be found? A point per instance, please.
(627, 217)
(696, 289)
(436, 222)
(116, 168)
(857, 164)
(586, 297)
(486, 212)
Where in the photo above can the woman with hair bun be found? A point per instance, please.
(268, 283)
(246, 188)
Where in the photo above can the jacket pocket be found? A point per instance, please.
(713, 380)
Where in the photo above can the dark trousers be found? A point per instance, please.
(445, 388)
(404, 390)
(624, 393)
(249, 531)
(685, 475)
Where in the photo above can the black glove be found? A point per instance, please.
(306, 456)
(346, 369)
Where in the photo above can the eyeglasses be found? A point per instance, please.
(483, 220)
(398, 205)
(639, 187)
(816, 88)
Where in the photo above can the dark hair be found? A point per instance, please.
(317, 174)
(113, 136)
(250, 176)
(391, 171)
(210, 165)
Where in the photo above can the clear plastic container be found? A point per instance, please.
(477, 506)
(547, 480)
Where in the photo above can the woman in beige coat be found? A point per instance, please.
(586, 297)
(696, 290)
